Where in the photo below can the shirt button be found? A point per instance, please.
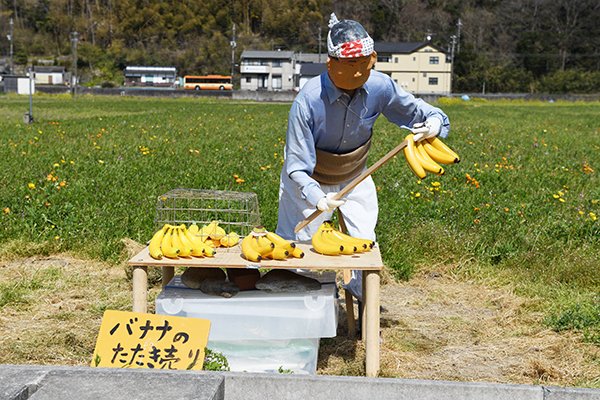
(348, 126)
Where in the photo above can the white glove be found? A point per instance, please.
(327, 203)
(430, 128)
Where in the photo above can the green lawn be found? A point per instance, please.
(520, 209)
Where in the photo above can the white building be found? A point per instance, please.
(49, 75)
(151, 76)
(417, 67)
(267, 70)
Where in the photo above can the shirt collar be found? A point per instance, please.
(332, 91)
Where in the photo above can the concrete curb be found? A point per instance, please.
(21, 382)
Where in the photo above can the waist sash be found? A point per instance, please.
(332, 169)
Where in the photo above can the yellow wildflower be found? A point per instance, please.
(6, 210)
(31, 185)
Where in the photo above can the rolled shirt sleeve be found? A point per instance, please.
(300, 154)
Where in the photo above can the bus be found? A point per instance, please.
(207, 82)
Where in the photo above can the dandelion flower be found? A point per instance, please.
(31, 185)
(593, 216)
(6, 210)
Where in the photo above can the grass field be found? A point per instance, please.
(521, 209)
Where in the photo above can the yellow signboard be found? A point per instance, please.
(139, 340)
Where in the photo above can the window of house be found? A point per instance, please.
(384, 58)
(433, 81)
(277, 63)
(262, 82)
(413, 79)
(277, 82)
(424, 74)
(248, 79)
(414, 58)
(434, 60)
(396, 60)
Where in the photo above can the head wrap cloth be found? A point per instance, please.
(348, 39)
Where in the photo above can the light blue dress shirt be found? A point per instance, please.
(324, 117)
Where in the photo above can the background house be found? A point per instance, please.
(309, 71)
(51, 75)
(267, 70)
(418, 67)
(151, 76)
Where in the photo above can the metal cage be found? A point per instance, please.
(235, 211)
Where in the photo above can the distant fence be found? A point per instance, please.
(288, 96)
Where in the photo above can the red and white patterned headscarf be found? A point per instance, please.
(348, 39)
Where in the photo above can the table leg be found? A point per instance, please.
(167, 275)
(140, 289)
(350, 314)
(372, 304)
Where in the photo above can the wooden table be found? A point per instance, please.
(370, 263)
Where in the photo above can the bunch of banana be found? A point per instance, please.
(215, 236)
(424, 155)
(331, 242)
(177, 241)
(261, 244)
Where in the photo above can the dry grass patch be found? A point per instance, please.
(434, 326)
(438, 327)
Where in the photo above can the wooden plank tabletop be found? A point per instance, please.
(232, 258)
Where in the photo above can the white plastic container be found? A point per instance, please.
(259, 331)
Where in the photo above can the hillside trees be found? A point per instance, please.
(504, 45)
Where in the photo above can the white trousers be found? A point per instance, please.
(360, 215)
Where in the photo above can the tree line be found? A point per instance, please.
(498, 45)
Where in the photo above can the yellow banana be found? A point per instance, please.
(346, 247)
(213, 230)
(426, 161)
(186, 246)
(199, 248)
(248, 250)
(441, 146)
(154, 246)
(362, 245)
(184, 251)
(411, 157)
(263, 245)
(278, 253)
(297, 253)
(166, 245)
(193, 229)
(437, 155)
(278, 241)
(230, 240)
(322, 245)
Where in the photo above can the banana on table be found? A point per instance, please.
(179, 241)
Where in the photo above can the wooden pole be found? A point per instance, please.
(140, 289)
(372, 283)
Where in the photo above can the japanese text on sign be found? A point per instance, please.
(138, 340)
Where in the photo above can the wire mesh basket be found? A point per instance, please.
(235, 211)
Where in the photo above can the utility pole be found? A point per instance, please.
(74, 40)
(10, 39)
(453, 44)
(233, 45)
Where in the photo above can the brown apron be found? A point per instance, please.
(332, 169)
